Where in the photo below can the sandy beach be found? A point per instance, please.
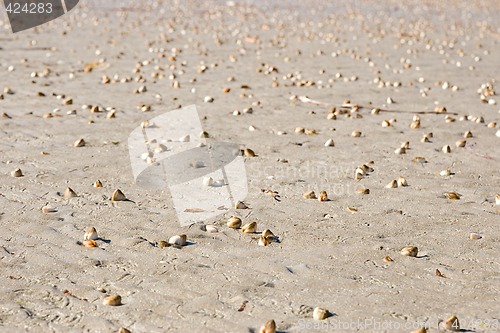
(340, 97)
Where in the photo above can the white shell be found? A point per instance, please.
(401, 150)
(208, 181)
(211, 229)
(329, 143)
(90, 234)
(179, 240)
(48, 209)
(320, 313)
(185, 138)
(475, 236)
(445, 173)
(392, 184)
(402, 181)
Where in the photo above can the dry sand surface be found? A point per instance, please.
(426, 67)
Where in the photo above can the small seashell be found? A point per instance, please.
(264, 241)
(415, 124)
(118, 196)
(440, 109)
(185, 138)
(90, 234)
(249, 228)
(363, 191)
(419, 159)
(79, 143)
(98, 183)
(89, 243)
(352, 209)
(401, 150)
(329, 143)
(208, 99)
(475, 236)
(309, 195)
(69, 193)
(452, 324)
(390, 100)
(320, 313)
(240, 205)
(405, 145)
(460, 143)
(234, 222)
(114, 300)
(163, 244)
(208, 181)
(179, 240)
(17, 173)
(299, 130)
(388, 259)
(323, 196)
(160, 148)
(356, 134)
(492, 124)
(386, 123)
(402, 181)
(425, 139)
(268, 327)
(248, 152)
(375, 111)
(111, 114)
(410, 251)
(68, 101)
(48, 209)
(311, 132)
(446, 149)
(211, 229)
(124, 330)
(497, 199)
(468, 134)
(267, 233)
(438, 273)
(358, 176)
(392, 184)
(452, 195)
(445, 172)
(497, 134)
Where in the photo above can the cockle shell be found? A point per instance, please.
(114, 300)
(90, 234)
(234, 222)
(17, 173)
(268, 327)
(249, 228)
(320, 313)
(309, 195)
(179, 240)
(118, 196)
(410, 251)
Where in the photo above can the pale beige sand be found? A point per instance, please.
(327, 256)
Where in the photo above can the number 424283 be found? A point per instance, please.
(29, 8)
